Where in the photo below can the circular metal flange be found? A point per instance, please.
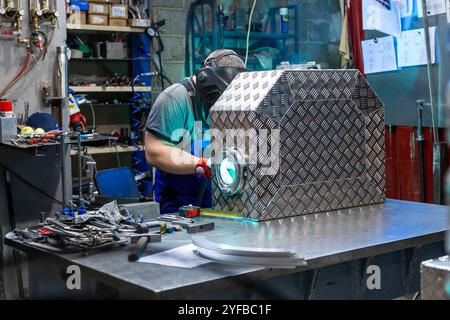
(261, 257)
(230, 172)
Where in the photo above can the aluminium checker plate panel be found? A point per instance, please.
(331, 151)
(435, 279)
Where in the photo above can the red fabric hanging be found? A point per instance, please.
(355, 28)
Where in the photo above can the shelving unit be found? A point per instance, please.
(110, 105)
(86, 28)
(206, 35)
(253, 35)
(106, 59)
(107, 150)
(99, 89)
(103, 96)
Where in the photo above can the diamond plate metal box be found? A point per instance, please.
(435, 279)
(331, 151)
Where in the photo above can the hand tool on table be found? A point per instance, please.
(198, 227)
(190, 225)
(141, 244)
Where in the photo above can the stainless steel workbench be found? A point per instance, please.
(396, 235)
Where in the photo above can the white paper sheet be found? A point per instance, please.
(182, 257)
(434, 7)
(376, 16)
(405, 7)
(448, 10)
(411, 47)
(379, 55)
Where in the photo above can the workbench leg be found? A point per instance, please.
(12, 221)
(359, 277)
(312, 278)
(2, 269)
(409, 260)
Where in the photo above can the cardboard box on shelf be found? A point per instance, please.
(98, 19)
(139, 23)
(118, 11)
(77, 17)
(118, 22)
(98, 8)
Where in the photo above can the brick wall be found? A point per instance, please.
(173, 34)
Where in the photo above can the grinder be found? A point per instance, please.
(294, 142)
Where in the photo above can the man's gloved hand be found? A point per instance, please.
(203, 167)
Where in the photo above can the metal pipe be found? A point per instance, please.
(10, 4)
(420, 140)
(36, 13)
(80, 177)
(44, 4)
(63, 169)
(62, 85)
(2, 7)
(431, 87)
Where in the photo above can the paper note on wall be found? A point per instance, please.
(434, 7)
(412, 50)
(405, 7)
(379, 55)
(448, 10)
(383, 16)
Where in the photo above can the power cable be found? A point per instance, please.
(26, 182)
(248, 32)
(93, 116)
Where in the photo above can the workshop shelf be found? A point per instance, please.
(108, 105)
(106, 150)
(206, 36)
(96, 89)
(253, 35)
(107, 59)
(86, 28)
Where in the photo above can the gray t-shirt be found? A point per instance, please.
(173, 110)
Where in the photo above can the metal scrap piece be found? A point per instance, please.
(264, 257)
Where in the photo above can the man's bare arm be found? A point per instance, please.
(168, 158)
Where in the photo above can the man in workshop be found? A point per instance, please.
(183, 172)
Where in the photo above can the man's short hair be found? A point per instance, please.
(227, 60)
